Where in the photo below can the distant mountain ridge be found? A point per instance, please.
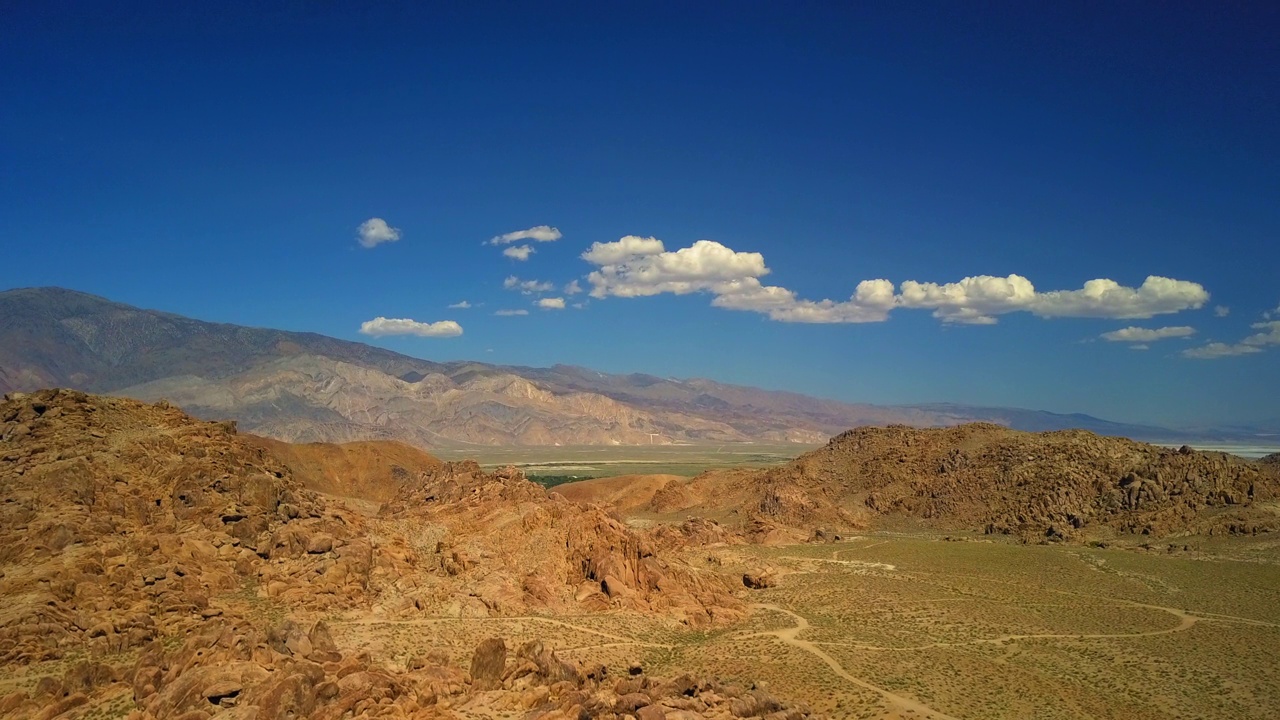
(306, 387)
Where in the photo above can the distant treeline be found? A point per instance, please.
(554, 480)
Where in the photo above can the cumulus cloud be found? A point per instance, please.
(551, 303)
(519, 252)
(538, 233)
(975, 300)
(979, 299)
(527, 287)
(375, 231)
(1109, 299)
(871, 302)
(637, 266)
(629, 247)
(381, 326)
(460, 305)
(573, 288)
(1221, 311)
(509, 313)
(1146, 335)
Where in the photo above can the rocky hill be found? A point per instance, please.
(369, 470)
(139, 546)
(987, 478)
(303, 387)
(624, 493)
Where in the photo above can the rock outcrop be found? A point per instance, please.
(540, 550)
(176, 564)
(372, 470)
(1271, 461)
(1055, 485)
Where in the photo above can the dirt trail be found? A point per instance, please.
(791, 637)
(848, 563)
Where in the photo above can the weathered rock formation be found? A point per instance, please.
(162, 560)
(1054, 485)
(540, 550)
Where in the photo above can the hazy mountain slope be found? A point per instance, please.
(747, 404)
(61, 337)
(1041, 421)
(308, 398)
(304, 387)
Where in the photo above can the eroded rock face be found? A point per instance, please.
(119, 520)
(1046, 485)
(133, 531)
(543, 551)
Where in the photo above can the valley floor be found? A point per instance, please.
(591, 461)
(889, 626)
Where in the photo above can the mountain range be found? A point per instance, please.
(305, 387)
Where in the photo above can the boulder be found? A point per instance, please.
(489, 663)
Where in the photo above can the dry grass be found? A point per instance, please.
(990, 630)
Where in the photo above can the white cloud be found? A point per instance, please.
(375, 231)
(381, 326)
(1146, 335)
(527, 287)
(509, 313)
(1140, 347)
(538, 233)
(573, 288)
(979, 299)
(974, 300)
(871, 302)
(1213, 351)
(1269, 335)
(551, 303)
(1109, 299)
(460, 305)
(519, 252)
(1221, 311)
(629, 247)
(637, 266)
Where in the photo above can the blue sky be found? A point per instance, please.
(220, 163)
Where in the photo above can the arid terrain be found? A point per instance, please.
(159, 566)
